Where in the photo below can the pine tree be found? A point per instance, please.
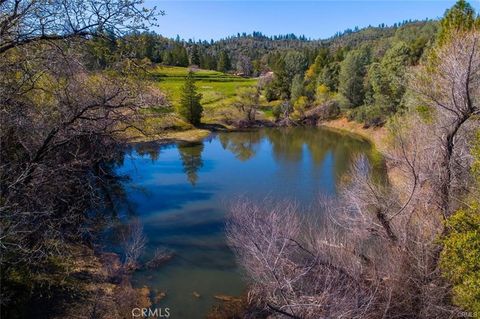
(167, 58)
(352, 72)
(224, 64)
(194, 56)
(461, 17)
(190, 107)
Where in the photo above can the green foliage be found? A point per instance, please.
(461, 255)
(329, 76)
(371, 115)
(190, 107)
(297, 88)
(300, 106)
(167, 58)
(323, 94)
(286, 67)
(295, 63)
(101, 50)
(461, 17)
(352, 72)
(417, 37)
(282, 110)
(385, 80)
(247, 102)
(180, 56)
(282, 81)
(194, 56)
(322, 60)
(277, 112)
(217, 88)
(224, 63)
(460, 258)
(476, 157)
(270, 93)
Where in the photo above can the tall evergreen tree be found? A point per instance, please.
(180, 55)
(329, 76)
(297, 88)
(384, 83)
(224, 63)
(167, 58)
(352, 72)
(190, 107)
(461, 17)
(194, 56)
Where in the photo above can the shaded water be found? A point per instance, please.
(181, 193)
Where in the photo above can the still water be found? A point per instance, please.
(181, 193)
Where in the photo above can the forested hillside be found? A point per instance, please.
(80, 79)
(408, 248)
(358, 72)
(253, 49)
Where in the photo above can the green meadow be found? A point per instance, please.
(218, 95)
(218, 89)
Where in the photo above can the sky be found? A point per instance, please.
(319, 19)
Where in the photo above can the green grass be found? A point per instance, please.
(218, 95)
(218, 89)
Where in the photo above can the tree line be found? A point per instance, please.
(244, 53)
(405, 248)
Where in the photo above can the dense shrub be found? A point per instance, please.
(370, 115)
(460, 257)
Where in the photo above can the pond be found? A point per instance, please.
(181, 193)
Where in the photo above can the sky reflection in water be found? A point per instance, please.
(182, 192)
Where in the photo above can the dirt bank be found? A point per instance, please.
(377, 135)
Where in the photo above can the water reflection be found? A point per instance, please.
(191, 155)
(182, 192)
(243, 144)
(288, 146)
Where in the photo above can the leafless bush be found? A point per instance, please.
(376, 255)
(133, 242)
(451, 90)
(357, 263)
(26, 21)
(160, 256)
(59, 130)
(290, 276)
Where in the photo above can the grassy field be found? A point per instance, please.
(218, 89)
(218, 94)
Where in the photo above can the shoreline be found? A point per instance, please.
(375, 135)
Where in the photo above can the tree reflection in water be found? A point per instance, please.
(288, 145)
(244, 145)
(191, 156)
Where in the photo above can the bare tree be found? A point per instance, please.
(451, 91)
(248, 102)
(376, 255)
(133, 244)
(244, 66)
(62, 127)
(289, 275)
(26, 21)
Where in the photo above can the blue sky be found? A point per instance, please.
(315, 19)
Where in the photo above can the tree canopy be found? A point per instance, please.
(190, 107)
